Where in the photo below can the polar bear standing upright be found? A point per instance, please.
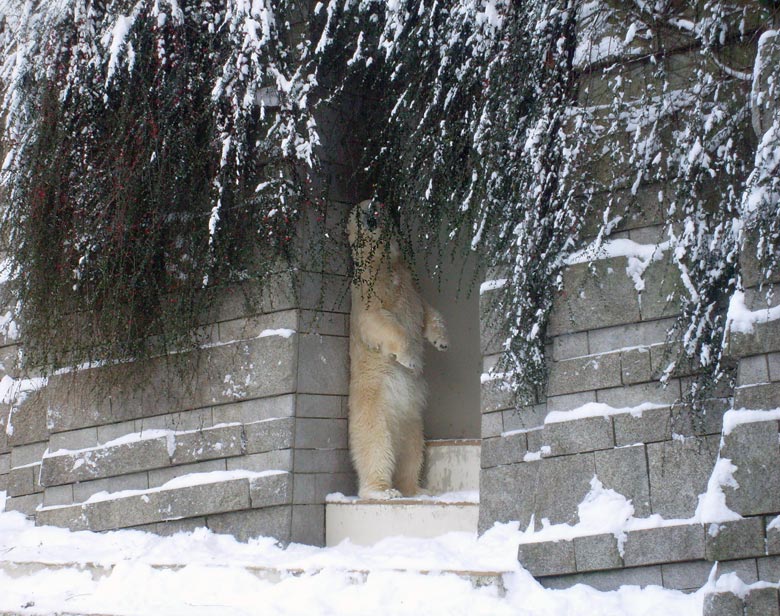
(389, 321)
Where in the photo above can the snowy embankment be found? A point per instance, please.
(201, 573)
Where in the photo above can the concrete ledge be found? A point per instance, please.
(207, 494)
(124, 457)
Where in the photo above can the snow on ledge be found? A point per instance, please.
(492, 285)
(742, 320)
(599, 409)
(737, 417)
(185, 481)
(463, 496)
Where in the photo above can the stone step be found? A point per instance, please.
(19, 568)
(450, 475)
(189, 496)
(451, 465)
(365, 522)
(154, 449)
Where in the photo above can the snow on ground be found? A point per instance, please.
(214, 578)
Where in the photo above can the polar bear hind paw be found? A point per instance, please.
(380, 494)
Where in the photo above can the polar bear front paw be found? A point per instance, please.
(380, 494)
(407, 361)
(437, 336)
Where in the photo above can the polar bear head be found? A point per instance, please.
(367, 233)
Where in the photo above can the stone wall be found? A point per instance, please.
(245, 435)
(608, 350)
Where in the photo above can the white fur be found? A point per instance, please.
(389, 322)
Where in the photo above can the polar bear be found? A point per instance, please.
(388, 324)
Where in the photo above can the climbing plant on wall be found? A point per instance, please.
(518, 124)
(153, 151)
(157, 149)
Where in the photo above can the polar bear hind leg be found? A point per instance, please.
(371, 443)
(409, 455)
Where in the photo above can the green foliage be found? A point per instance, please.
(142, 170)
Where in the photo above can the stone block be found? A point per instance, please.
(607, 580)
(277, 460)
(322, 461)
(769, 569)
(312, 488)
(5, 447)
(588, 299)
(323, 365)
(241, 300)
(507, 494)
(253, 523)
(492, 327)
(324, 323)
(649, 426)
(271, 490)
(584, 374)
(269, 435)
(495, 396)
(723, 604)
(765, 338)
(169, 528)
(308, 524)
(503, 450)
(709, 420)
(745, 569)
(492, 424)
(159, 476)
(58, 495)
(772, 534)
(570, 345)
(597, 552)
(28, 421)
(313, 433)
(313, 405)
(762, 602)
(101, 462)
(568, 402)
(327, 292)
(547, 557)
(110, 432)
(5, 463)
(773, 360)
(753, 449)
(244, 328)
(190, 501)
(630, 335)
(207, 444)
(634, 395)
(635, 366)
(662, 282)
(562, 486)
(624, 470)
(732, 540)
(752, 370)
(75, 439)
(762, 396)
(23, 480)
(83, 490)
(588, 434)
(258, 409)
(28, 504)
(24, 455)
(666, 544)
(688, 576)
(258, 368)
(679, 472)
(525, 418)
